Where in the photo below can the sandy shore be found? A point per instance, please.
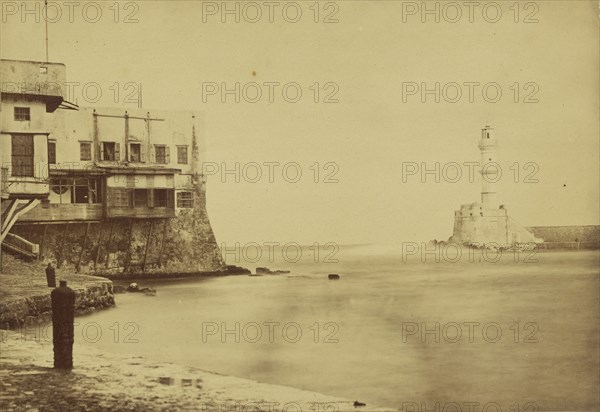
(111, 382)
(102, 382)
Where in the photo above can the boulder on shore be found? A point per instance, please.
(267, 271)
(148, 291)
(234, 270)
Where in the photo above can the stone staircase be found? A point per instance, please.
(12, 209)
(20, 246)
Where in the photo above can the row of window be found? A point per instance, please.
(23, 156)
(111, 151)
(124, 197)
(82, 190)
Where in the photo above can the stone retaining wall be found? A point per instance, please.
(31, 303)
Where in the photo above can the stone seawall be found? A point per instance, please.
(568, 237)
(25, 298)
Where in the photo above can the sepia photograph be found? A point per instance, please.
(300, 206)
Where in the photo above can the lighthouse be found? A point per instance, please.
(490, 169)
(485, 223)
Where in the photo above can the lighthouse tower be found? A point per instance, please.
(486, 224)
(489, 168)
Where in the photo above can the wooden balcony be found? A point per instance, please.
(140, 203)
(63, 212)
(143, 212)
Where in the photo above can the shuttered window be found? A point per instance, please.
(185, 199)
(182, 155)
(52, 152)
(161, 154)
(85, 150)
(110, 151)
(120, 197)
(22, 155)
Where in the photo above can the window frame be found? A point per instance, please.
(116, 151)
(124, 195)
(17, 169)
(22, 114)
(94, 187)
(141, 158)
(163, 159)
(82, 144)
(52, 159)
(179, 154)
(182, 201)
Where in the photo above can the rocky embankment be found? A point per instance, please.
(25, 296)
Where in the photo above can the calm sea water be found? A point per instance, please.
(513, 334)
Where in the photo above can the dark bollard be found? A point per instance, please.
(63, 316)
(50, 276)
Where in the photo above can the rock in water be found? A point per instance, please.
(148, 291)
(333, 276)
(267, 271)
(119, 289)
(234, 270)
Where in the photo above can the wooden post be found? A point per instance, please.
(112, 224)
(99, 246)
(87, 229)
(96, 139)
(162, 243)
(62, 244)
(43, 244)
(147, 244)
(63, 313)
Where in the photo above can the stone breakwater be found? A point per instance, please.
(25, 298)
(107, 382)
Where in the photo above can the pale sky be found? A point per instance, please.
(370, 132)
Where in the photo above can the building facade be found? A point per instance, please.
(106, 189)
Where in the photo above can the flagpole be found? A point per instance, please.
(46, 12)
